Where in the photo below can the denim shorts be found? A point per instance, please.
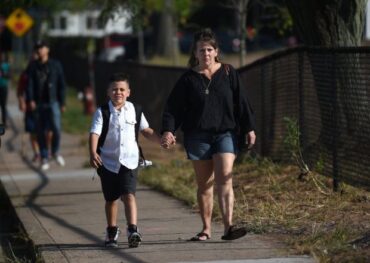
(30, 121)
(203, 145)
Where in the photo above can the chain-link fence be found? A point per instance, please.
(327, 91)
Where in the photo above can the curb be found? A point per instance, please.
(31, 226)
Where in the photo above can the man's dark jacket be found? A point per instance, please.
(54, 82)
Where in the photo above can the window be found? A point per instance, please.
(93, 23)
(90, 22)
(63, 22)
(52, 23)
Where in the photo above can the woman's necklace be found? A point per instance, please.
(206, 91)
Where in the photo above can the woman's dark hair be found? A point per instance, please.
(203, 35)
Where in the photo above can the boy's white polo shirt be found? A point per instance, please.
(120, 145)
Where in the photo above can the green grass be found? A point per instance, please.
(175, 179)
(306, 213)
(74, 120)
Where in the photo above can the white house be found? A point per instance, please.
(85, 24)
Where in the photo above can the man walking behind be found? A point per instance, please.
(46, 95)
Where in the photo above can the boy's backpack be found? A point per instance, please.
(106, 114)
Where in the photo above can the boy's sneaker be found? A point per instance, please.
(44, 165)
(60, 160)
(112, 236)
(134, 237)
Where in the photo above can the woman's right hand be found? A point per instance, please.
(167, 140)
(250, 139)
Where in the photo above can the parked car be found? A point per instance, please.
(112, 54)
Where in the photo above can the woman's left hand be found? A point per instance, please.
(251, 139)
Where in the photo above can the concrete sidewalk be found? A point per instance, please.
(62, 211)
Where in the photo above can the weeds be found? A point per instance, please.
(292, 142)
(270, 199)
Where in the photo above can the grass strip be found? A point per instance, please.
(306, 213)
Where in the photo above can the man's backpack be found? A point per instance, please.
(106, 114)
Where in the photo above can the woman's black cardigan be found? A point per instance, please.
(225, 108)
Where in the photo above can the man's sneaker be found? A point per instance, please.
(111, 236)
(60, 160)
(45, 165)
(134, 237)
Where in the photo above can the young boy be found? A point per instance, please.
(119, 157)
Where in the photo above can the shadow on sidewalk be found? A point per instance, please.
(29, 201)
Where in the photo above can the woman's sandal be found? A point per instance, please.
(234, 233)
(200, 237)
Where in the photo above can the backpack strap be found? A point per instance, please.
(106, 114)
(139, 111)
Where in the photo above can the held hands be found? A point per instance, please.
(95, 160)
(167, 140)
(250, 139)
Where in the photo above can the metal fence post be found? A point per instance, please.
(335, 123)
(263, 112)
(301, 96)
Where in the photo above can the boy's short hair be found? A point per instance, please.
(119, 77)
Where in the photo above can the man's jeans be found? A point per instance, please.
(48, 118)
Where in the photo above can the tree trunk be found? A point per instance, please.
(167, 41)
(140, 43)
(334, 23)
(243, 12)
(344, 107)
(330, 23)
(242, 36)
(165, 35)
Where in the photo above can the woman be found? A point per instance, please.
(209, 104)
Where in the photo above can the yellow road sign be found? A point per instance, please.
(19, 22)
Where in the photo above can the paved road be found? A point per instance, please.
(62, 212)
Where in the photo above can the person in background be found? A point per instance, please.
(210, 105)
(4, 85)
(45, 93)
(29, 114)
(116, 158)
